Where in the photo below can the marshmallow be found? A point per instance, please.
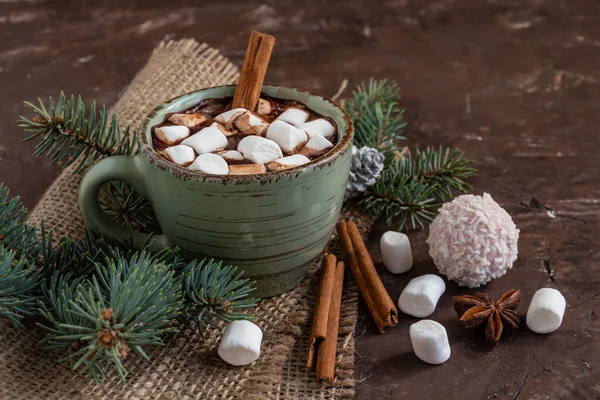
(211, 164)
(259, 150)
(546, 310)
(294, 116)
(172, 134)
(247, 169)
(395, 249)
(189, 120)
(288, 162)
(430, 341)
(223, 130)
(240, 344)
(264, 107)
(288, 137)
(316, 145)
(421, 295)
(318, 127)
(250, 124)
(180, 154)
(228, 117)
(231, 155)
(207, 140)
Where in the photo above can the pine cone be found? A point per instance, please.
(367, 164)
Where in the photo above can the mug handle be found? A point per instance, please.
(121, 168)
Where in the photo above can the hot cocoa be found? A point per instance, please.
(214, 138)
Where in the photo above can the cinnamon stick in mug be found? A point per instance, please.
(380, 305)
(254, 69)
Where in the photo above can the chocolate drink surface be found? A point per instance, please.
(215, 139)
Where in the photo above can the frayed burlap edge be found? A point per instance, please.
(187, 367)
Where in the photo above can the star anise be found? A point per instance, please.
(474, 311)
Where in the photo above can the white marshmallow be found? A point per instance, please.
(207, 140)
(316, 145)
(247, 169)
(546, 310)
(240, 344)
(180, 154)
(229, 117)
(294, 116)
(211, 164)
(250, 124)
(189, 120)
(395, 249)
(318, 127)
(287, 136)
(288, 162)
(172, 134)
(259, 150)
(232, 155)
(421, 295)
(223, 130)
(430, 341)
(264, 107)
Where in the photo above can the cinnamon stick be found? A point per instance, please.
(252, 75)
(358, 275)
(326, 356)
(321, 315)
(380, 305)
(386, 307)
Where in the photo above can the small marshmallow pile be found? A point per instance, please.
(287, 142)
(419, 299)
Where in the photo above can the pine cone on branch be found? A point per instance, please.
(367, 164)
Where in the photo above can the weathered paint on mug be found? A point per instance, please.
(272, 226)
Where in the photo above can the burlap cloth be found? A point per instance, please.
(187, 367)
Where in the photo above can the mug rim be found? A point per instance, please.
(327, 159)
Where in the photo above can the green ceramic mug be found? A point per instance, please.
(272, 226)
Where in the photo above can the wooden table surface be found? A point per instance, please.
(515, 84)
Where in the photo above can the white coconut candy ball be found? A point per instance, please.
(241, 342)
(546, 310)
(473, 240)
(430, 341)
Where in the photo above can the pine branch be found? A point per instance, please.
(402, 201)
(409, 191)
(15, 233)
(130, 303)
(67, 133)
(214, 292)
(377, 119)
(121, 203)
(444, 169)
(19, 281)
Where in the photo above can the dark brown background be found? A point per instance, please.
(515, 84)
